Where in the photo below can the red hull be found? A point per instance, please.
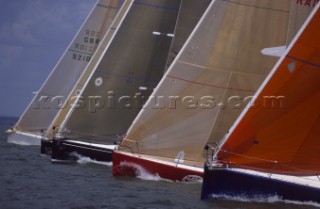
(125, 165)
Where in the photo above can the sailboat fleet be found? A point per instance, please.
(223, 92)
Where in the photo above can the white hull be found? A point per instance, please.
(26, 139)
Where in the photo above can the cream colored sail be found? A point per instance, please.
(65, 112)
(204, 91)
(131, 66)
(189, 15)
(47, 103)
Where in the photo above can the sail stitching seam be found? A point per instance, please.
(304, 61)
(209, 85)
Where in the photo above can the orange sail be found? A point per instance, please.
(280, 131)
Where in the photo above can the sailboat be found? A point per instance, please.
(273, 151)
(34, 122)
(129, 68)
(195, 101)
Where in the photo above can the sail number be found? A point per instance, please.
(83, 49)
(309, 3)
(81, 57)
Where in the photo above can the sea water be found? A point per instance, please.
(29, 180)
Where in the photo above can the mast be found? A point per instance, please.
(222, 58)
(129, 69)
(49, 99)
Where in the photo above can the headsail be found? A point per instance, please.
(130, 68)
(46, 104)
(221, 59)
(75, 94)
(283, 137)
(189, 15)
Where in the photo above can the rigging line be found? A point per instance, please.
(304, 61)
(264, 160)
(86, 134)
(246, 156)
(166, 158)
(135, 144)
(257, 7)
(105, 6)
(44, 94)
(131, 77)
(244, 166)
(219, 70)
(156, 6)
(34, 130)
(209, 85)
(80, 52)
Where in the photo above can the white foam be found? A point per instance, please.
(87, 160)
(262, 199)
(142, 173)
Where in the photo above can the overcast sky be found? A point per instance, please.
(33, 36)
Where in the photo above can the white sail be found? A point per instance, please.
(206, 87)
(64, 113)
(131, 66)
(46, 104)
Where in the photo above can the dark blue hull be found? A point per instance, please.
(64, 150)
(46, 147)
(225, 182)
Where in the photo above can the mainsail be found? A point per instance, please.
(283, 136)
(46, 104)
(207, 85)
(130, 68)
